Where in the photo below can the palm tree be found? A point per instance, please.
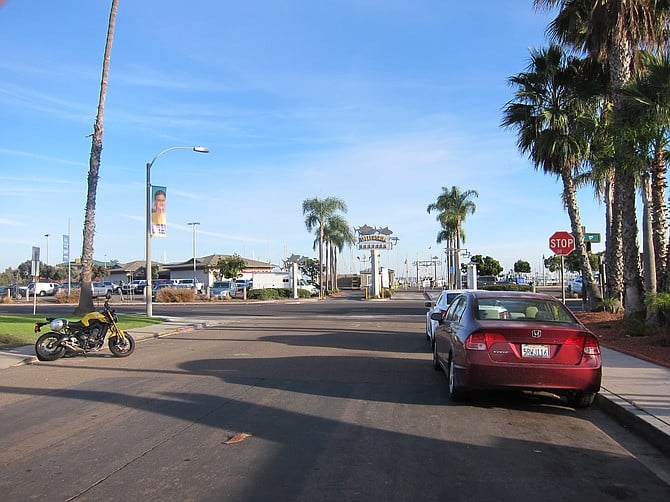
(650, 96)
(337, 234)
(555, 120)
(86, 295)
(453, 207)
(317, 212)
(612, 32)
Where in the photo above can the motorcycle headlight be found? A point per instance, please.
(58, 324)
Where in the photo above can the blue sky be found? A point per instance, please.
(379, 103)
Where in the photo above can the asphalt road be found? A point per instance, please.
(339, 401)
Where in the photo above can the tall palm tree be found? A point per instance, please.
(317, 212)
(555, 119)
(650, 96)
(453, 206)
(337, 234)
(613, 31)
(86, 294)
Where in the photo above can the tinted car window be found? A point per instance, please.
(522, 309)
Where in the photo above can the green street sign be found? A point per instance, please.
(591, 237)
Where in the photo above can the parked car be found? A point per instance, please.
(575, 286)
(190, 283)
(244, 283)
(116, 288)
(135, 287)
(99, 289)
(515, 340)
(486, 280)
(42, 288)
(441, 305)
(14, 291)
(63, 288)
(222, 289)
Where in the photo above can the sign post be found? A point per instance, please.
(562, 243)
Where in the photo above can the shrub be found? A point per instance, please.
(275, 293)
(63, 297)
(659, 303)
(263, 294)
(635, 327)
(175, 295)
(609, 305)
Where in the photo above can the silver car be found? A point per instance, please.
(441, 305)
(222, 289)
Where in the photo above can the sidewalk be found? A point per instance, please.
(635, 392)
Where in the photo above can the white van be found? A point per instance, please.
(42, 288)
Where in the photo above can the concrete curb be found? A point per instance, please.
(642, 423)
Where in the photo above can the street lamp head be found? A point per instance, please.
(201, 149)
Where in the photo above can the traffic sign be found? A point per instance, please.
(591, 237)
(562, 243)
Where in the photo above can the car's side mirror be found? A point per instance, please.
(428, 304)
(436, 316)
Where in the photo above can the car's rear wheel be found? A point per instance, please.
(456, 393)
(581, 399)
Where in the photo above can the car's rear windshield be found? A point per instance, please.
(522, 309)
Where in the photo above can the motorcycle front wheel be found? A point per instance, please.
(47, 347)
(121, 346)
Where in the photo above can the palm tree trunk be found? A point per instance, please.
(647, 236)
(620, 64)
(321, 285)
(614, 248)
(590, 286)
(659, 213)
(631, 251)
(652, 318)
(86, 295)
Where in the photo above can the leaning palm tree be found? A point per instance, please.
(453, 207)
(612, 32)
(86, 295)
(317, 212)
(555, 119)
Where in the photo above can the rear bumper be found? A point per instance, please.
(581, 378)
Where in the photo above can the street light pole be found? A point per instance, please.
(47, 236)
(194, 224)
(147, 288)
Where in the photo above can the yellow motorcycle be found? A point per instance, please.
(80, 337)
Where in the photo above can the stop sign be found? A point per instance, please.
(562, 243)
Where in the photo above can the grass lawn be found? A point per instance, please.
(18, 330)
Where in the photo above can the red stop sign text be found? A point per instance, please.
(562, 243)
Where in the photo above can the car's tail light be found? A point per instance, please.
(588, 343)
(483, 341)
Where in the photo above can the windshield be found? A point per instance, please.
(522, 309)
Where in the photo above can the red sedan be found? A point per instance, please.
(503, 339)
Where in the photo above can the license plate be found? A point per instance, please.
(538, 351)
